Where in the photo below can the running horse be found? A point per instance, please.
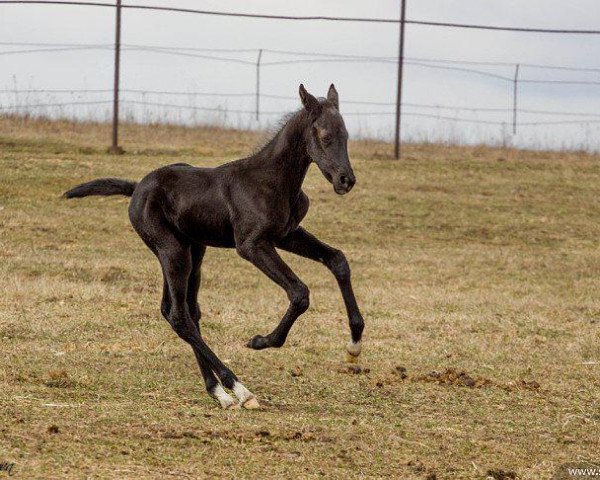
(254, 205)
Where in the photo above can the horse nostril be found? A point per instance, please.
(344, 180)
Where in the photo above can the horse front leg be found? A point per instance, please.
(263, 255)
(306, 245)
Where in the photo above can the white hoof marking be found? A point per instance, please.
(226, 400)
(353, 351)
(245, 396)
(354, 348)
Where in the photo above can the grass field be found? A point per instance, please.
(477, 271)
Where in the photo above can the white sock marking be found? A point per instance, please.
(354, 348)
(223, 397)
(241, 392)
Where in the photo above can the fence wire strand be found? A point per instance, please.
(226, 111)
(329, 18)
(216, 54)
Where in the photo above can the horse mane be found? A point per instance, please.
(274, 132)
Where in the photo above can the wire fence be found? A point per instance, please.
(273, 58)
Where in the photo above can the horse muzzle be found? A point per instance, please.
(344, 183)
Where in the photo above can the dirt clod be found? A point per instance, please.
(453, 377)
(468, 381)
(59, 379)
(499, 474)
(355, 369)
(416, 466)
(53, 429)
(528, 384)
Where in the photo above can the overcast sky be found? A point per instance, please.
(361, 81)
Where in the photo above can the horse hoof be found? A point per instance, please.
(353, 352)
(251, 404)
(246, 397)
(258, 342)
(351, 358)
(233, 406)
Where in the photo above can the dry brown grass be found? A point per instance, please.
(477, 270)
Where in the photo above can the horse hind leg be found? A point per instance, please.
(177, 262)
(213, 387)
(197, 255)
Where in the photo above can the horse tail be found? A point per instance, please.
(102, 186)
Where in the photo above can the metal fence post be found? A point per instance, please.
(115, 149)
(400, 65)
(258, 83)
(515, 98)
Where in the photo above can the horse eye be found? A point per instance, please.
(326, 139)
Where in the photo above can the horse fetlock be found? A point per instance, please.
(258, 342)
(276, 342)
(357, 325)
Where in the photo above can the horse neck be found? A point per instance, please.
(286, 154)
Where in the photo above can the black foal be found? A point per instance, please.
(254, 205)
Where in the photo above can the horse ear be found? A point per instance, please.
(332, 96)
(311, 104)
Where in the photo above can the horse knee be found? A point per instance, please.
(300, 297)
(339, 266)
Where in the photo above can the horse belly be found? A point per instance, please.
(208, 228)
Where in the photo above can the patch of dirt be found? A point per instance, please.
(113, 274)
(499, 474)
(177, 435)
(527, 384)
(207, 436)
(53, 429)
(417, 467)
(59, 379)
(354, 369)
(453, 377)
